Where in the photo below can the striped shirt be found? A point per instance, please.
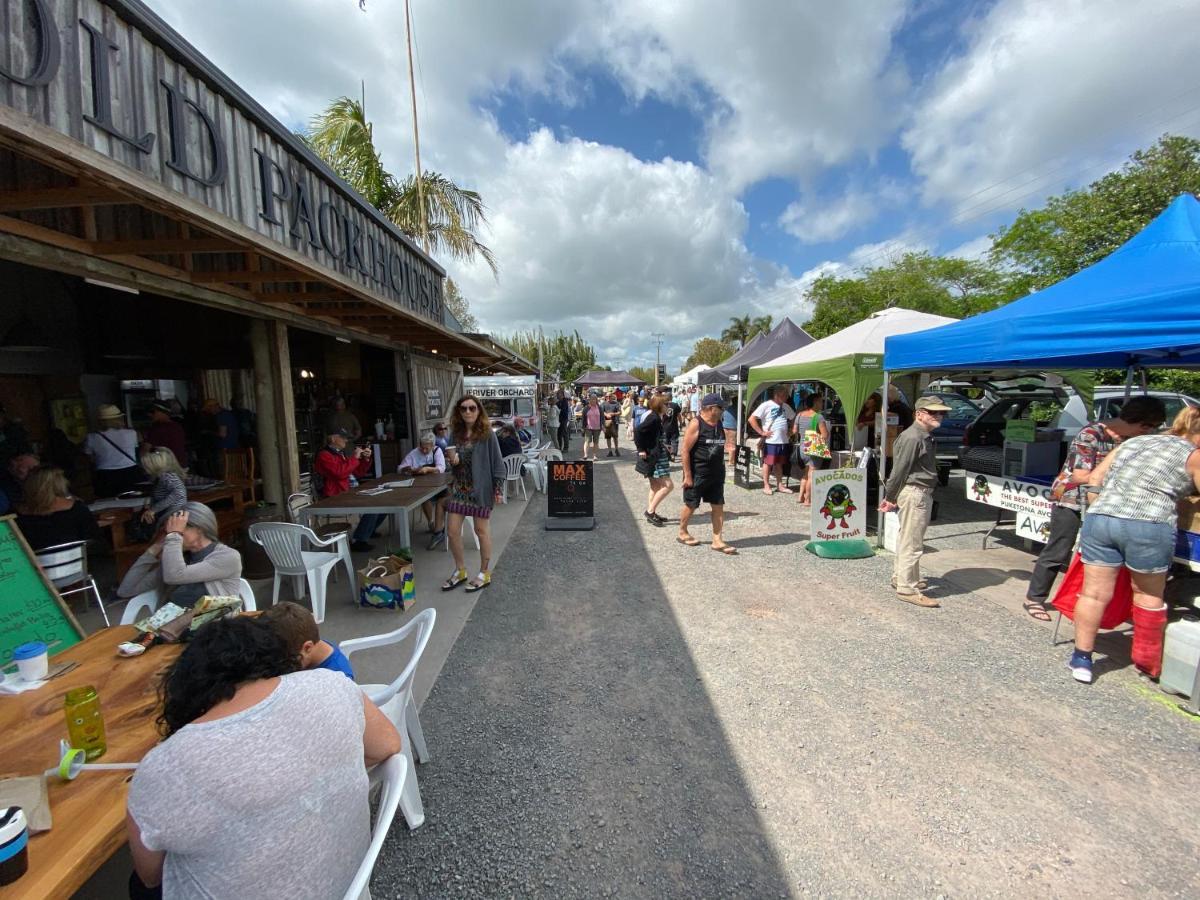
(1147, 478)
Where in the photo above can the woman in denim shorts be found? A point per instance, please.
(1133, 525)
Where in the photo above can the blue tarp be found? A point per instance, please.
(1139, 306)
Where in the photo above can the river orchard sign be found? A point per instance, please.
(116, 79)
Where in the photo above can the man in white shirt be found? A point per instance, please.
(427, 459)
(771, 421)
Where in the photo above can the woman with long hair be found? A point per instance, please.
(256, 755)
(1133, 524)
(48, 515)
(477, 469)
(654, 459)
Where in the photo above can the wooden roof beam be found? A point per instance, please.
(248, 277)
(54, 198)
(151, 246)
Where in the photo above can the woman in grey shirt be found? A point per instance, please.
(186, 562)
(260, 786)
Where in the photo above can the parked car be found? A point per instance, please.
(983, 440)
(948, 436)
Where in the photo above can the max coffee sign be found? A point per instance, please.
(116, 80)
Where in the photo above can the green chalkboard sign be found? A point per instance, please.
(30, 608)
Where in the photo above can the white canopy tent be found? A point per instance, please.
(689, 377)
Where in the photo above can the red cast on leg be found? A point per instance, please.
(1148, 628)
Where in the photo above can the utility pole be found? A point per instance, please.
(658, 342)
(412, 87)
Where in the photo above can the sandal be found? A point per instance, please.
(1036, 610)
(483, 579)
(687, 542)
(727, 550)
(459, 576)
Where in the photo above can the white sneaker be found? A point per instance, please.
(1081, 669)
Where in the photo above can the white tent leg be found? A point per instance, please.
(1128, 381)
(740, 435)
(882, 436)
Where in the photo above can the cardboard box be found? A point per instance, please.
(1189, 514)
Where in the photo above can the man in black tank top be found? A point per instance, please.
(705, 446)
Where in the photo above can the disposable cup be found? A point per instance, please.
(33, 660)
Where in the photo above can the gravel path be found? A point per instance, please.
(624, 716)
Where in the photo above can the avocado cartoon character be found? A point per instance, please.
(838, 505)
(981, 488)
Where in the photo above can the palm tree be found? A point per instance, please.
(761, 325)
(342, 136)
(739, 330)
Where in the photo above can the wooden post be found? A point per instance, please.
(279, 455)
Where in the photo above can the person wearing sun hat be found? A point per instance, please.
(909, 489)
(113, 449)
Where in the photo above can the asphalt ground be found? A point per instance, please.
(624, 716)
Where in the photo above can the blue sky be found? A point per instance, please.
(662, 166)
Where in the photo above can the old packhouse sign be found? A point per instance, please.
(114, 78)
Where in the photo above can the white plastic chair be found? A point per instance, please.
(543, 468)
(66, 566)
(144, 604)
(513, 471)
(284, 543)
(392, 773)
(249, 604)
(396, 702)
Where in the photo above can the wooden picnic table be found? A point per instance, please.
(395, 502)
(89, 812)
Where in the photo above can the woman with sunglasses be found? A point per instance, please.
(477, 468)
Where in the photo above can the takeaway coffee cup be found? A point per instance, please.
(14, 839)
(33, 660)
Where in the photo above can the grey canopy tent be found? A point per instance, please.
(783, 338)
(604, 378)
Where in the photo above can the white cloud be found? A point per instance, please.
(972, 250)
(814, 219)
(884, 253)
(1049, 89)
(801, 86)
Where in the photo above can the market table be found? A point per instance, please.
(88, 813)
(396, 502)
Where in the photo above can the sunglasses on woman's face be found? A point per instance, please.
(469, 407)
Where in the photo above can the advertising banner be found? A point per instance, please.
(1030, 501)
(839, 504)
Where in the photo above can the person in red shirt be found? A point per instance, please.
(335, 470)
(165, 432)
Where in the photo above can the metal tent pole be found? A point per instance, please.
(882, 436)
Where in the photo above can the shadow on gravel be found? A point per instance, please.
(575, 750)
(772, 540)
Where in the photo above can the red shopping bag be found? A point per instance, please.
(1119, 609)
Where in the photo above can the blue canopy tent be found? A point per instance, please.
(1139, 306)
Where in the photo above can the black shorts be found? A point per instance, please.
(710, 490)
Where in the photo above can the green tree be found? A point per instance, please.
(568, 356)
(762, 325)
(942, 285)
(708, 352)
(644, 373)
(738, 331)
(1081, 227)
(459, 307)
(342, 136)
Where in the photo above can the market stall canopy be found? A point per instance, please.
(602, 378)
(850, 361)
(690, 376)
(1139, 306)
(785, 337)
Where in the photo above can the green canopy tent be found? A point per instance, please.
(850, 361)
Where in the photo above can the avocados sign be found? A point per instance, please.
(839, 504)
(131, 89)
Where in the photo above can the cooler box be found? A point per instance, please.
(1181, 656)
(1187, 546)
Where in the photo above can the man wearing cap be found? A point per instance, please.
(335, 469)
(909, 488)
(706, 443)
(165, 432)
